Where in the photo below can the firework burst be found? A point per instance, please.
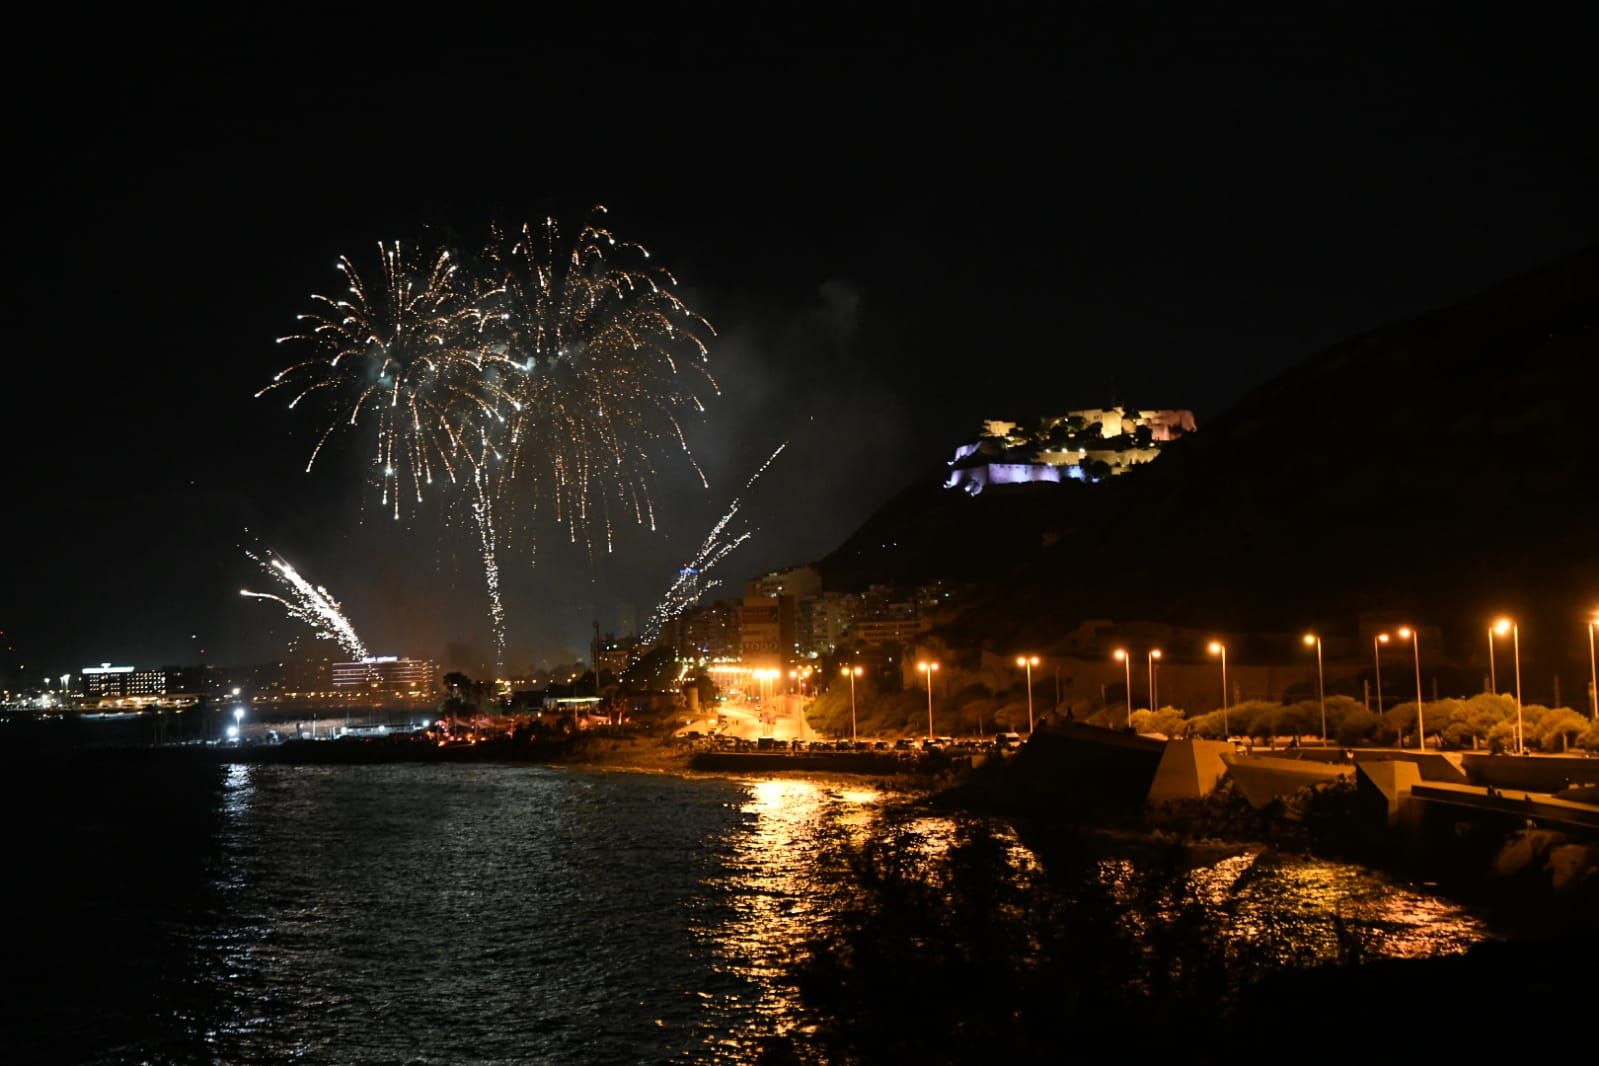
(547, 373)
(405, 353)
(610, 357)
(305, 602)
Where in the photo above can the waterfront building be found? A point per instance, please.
(389, 673)
(148, 684)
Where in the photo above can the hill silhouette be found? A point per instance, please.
(1443, 466)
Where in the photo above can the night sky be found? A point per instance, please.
(898, 231)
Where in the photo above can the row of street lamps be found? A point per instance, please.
(1500, 627)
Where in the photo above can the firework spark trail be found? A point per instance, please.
(690, 585)
(482, 507)
(308, 603)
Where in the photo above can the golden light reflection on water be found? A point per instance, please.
(777, 884)
(781, 879)
(1296, 910)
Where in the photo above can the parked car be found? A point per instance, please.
(1008, 741)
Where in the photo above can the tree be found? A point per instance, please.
(1558, 729)
(653, 672)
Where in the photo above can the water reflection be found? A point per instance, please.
(1298, 909)
(779, 880)
(380, 914)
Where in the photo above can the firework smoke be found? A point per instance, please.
(308, 603)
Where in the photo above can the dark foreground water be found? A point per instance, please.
(497, 914)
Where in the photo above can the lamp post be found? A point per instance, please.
(1493, 680)
(1501, 627)
(1154, 704)
(1321, 682)
(1593, 671)
(1027, 662)
(1376, 654)
(928, 669)
(1121, 656)
(1406, 633)
(1218, 648)
(852, 672)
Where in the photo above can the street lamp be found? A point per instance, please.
(1493, 679)
(929, 669)
(1593, 671)
(238, 722)
(1376, 655)
(1121, 656)
(1321, 682)
(1218, 648)
(1027, 662)
(1154, 705)
(1501, 627)
(1406, 633)
(852, 673)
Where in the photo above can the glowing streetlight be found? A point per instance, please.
(1406, 633)
(1501, 627)
(1593, 671)
(1321, 682)
(1027, 662)
(929, 669)
(1493, 679)
(1376, 655)
(1154, 653)
(1121, 656)
(851, 672)
(1218, 648)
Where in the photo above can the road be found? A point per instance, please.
(784, 719)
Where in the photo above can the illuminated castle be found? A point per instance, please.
(1086, 445)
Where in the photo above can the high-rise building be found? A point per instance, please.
(766, 630)
(129, 682)
(389, 673)
(800, 582)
